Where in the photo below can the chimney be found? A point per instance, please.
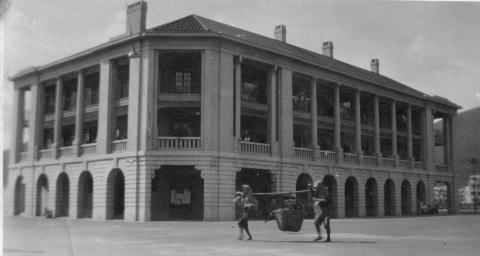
(327, 49)
(375, 65)
(136, 17)
(281, 33)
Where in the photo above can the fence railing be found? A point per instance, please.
(441, 167)
(405, 164)
(255, 147)
(90, 148)
(370, 160)
(119, 145)
(328, 155)
(46, 153)
(418, 165)
(23, 156)
(179, 142)
(66, 151)
(387, 162)
(304, 153)
(350, 157)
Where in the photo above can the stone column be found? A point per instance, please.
(238, 103)
(77, 142)
(358, 127)
(210, 99)
(394, 132)
(34, 121)
(452, 161)
(272, 113)
(381, 198)
(446, 140)
(57, 132)
(376, 114)
(409, 136)
(134, 115)
(429, 139)
(314, 120)
(18, 111)
(286, 113)
(362, 200)
(105, 109)
(338, 145)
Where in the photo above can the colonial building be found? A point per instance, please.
(166, 123)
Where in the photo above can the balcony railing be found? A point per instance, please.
(119, 145)
(405, 164)
(328, 155)
(179, 143)
(350, 158)
(66, 151)
(387, 162)
(370, 160)
(418, 165)
(90, 148)
(255, 147)
(441, 167)
(301, 104)
(23, 156)
(303, 153)
(46, 153)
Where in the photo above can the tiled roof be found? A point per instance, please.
(195, 23)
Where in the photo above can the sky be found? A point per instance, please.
(433, 47)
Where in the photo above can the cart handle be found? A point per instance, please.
(282, 193)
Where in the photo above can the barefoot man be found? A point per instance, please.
(321, 200)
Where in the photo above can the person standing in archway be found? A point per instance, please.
(249, 204)
(322, 202)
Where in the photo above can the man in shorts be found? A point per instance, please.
(322, 202)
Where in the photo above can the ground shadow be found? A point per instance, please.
(319, 242)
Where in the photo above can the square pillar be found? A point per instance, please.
(394, 132)
(34, 121)
(134, 89)
(286, 113)
(429, 140)
(237, 73)
(57, 130)
(336, 124)
(314, 119)
(358, 127)
(409, 135)
(17, 125)
(105, 109)
(77, 142)
(376, 114)
(210, 100)
(272, 113)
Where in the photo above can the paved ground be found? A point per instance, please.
(439, 235)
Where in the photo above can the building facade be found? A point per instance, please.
(166, 123)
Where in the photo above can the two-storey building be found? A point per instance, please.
(166, 123)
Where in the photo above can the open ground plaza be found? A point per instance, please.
(437, 235)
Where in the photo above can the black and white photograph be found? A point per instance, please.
(228, 127)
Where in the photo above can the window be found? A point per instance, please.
(49, 106)
(179, 71)
(91, 89)
(120, 77)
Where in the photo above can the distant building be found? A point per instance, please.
(168, 122)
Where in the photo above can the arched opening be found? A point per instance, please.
(371, 198)
(42, 195)
(330, 182)
(85, 195)
(351, 197)
(421, 196)
(406, 198)
(441, 196)
(389, 198)
(305, 198)
(115, 194)
(177, 193)
(260, 181)
(62, 198)
(19, 196)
